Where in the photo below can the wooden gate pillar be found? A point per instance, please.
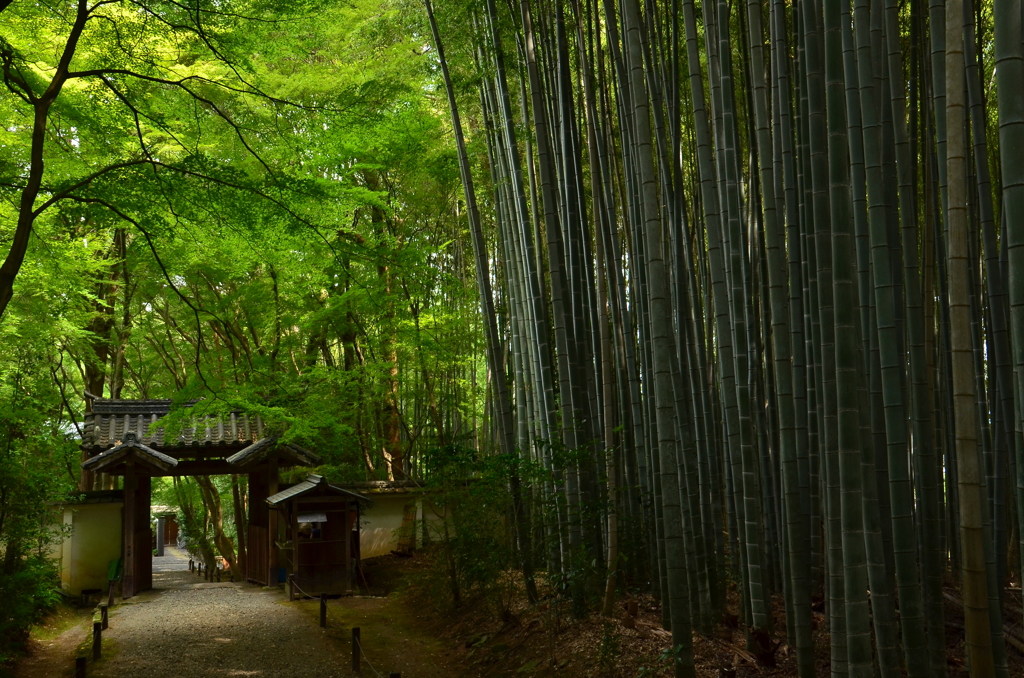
(144, 535)
(258, 566)
(128, 526)
(272, 516)
(347, 536)
(137, 556)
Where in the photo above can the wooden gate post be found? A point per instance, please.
(129, 527)
(347, 547)
(272, 555)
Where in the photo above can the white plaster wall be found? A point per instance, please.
(95, 540)
(380, 524)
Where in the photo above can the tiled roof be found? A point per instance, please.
(311, 482)
(110, 420)
(130, 447)
(293, 491)
(259, 450)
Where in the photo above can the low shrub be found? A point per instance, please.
(28, 593)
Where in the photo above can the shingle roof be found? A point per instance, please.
(110, 420)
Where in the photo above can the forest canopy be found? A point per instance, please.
(248, 204)
(233, 203)
(724, 300)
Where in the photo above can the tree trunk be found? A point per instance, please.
(211, 498)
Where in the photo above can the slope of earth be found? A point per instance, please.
(394, 638)
(52, 645)
(544, 640)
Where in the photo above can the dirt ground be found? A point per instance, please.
(393, 637)
(188, 627)
(545, 640)
(53, 645)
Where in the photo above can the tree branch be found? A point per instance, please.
(163, 269)
(26, 216)
(66, 192)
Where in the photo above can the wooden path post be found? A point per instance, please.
(80, 667)
(97, 640)
(355, 649)
(104, 617)
(323, 610)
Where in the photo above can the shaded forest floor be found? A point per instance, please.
(52, 645)
(408, 625)
(545, 640)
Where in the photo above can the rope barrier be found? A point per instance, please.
(361, 650)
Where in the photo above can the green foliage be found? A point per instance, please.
(193, 521)
(469, 494)
(610, 649)
(36, 448)
(254, 209)
(27, 594)
(253, 206)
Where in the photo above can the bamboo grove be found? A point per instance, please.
(753, 289)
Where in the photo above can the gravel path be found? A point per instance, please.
(189, 628)
(211, 629)
(174, 559)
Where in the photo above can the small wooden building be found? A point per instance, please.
(319, 536)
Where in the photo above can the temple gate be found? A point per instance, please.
(123, 438)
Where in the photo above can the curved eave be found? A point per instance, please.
(130, 448)
(301, 456)
(256, 452)
(287, 453)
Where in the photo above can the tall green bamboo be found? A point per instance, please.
(662, 344)
(1009, 55)
(976, 612)
(892, 366)
(756, 388)
(848, 362)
